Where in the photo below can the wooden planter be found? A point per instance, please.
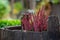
(14, 33)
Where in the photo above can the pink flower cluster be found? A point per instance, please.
(39, 22)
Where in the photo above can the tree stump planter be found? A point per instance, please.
(11, 33)
(15, 33)
(53, 27)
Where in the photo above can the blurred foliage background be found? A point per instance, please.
(6, 6)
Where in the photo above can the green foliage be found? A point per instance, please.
(4, 9)
(6, 23)
(18, 6)
(55, 1)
